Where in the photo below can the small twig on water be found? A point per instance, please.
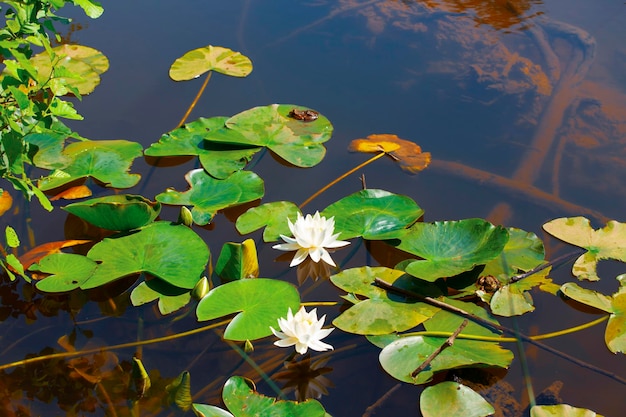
(556, 262)
(449, 341)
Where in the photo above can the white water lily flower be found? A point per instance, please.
(303, 330)
(311, 236)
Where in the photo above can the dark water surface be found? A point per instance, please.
(521, 103)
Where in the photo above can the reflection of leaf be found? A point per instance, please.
(451, 247)
(606, 243)
(381, 312)
(273, 216)
(210, 58)
(373, 214)
(408, 154)
(108, 161)
(453, 399)
(208, 195)
(259, 303)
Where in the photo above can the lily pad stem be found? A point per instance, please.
(195, 100)
(341, 177)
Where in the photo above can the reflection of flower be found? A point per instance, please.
(303, 330)
(308, 268)
(312, 235)
(306, 377)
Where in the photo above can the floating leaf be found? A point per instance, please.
(116, 212)
(382, 312)
(108, 161)
(402, 357)
(237, 261)
(446, 321)
(297, 142)
(210, 58)
(68, 271)
(408, 154)
(259, 303)
(170, 298)
(241, 399)
(218, 159)
(587, 297)
(522, 252)
(273, 216)
(606, 243)
(173, 253)
(208, 195)
(205, 410)
(373, 214)
(72, 193)
(38, 252)
(451, 247)
(84, 66)
(453, 399)
(561, 410)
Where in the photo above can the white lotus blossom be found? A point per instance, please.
(311, 236)
(303, 330)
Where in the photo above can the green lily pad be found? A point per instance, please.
(297, 142)
(451, 247)
(615, 334)
(220, 160)
(400, 358)
(446, 321)
(210, 58)
(273, 216)
(453, 399)
(373, 214)
(173, 253)
(82, 68)
(68, 271)
(208, 195)
(116, 212)
(259, 303)
(170, 299)
(606, 243)
(522, 252)
(381, 312)
(561, 410)
(242, 400)
(107, 161)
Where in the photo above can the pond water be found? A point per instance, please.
(521, 103)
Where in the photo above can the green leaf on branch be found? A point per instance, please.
(451, 247)
(210, 58)
(382, 312)
(273, 216)
(453, 399)
(259, 303)
(116, 212)
(208, 195)
(606, 243)
(373, 214)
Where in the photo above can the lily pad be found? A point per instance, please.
(273, 216)
(170, 299)
(606, 243)
(259, 303)
(561, 410)
(83, 66)
(68, 271)
(297, 142)
(453, 399)
(514, 299)
(446, 321)
(218, 159)
(522, 252)
(210, 58)
(107, 161)
(381, 312)
(400, 358)
(242, 400)
(208, 195)
(116, 212)
(451, 247)
(408, 154)
(373, 214)
(173, 253)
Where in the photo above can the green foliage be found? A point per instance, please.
(257, 302)
(242, 400)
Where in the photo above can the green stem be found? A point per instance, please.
(195, 100)
(341, 177)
